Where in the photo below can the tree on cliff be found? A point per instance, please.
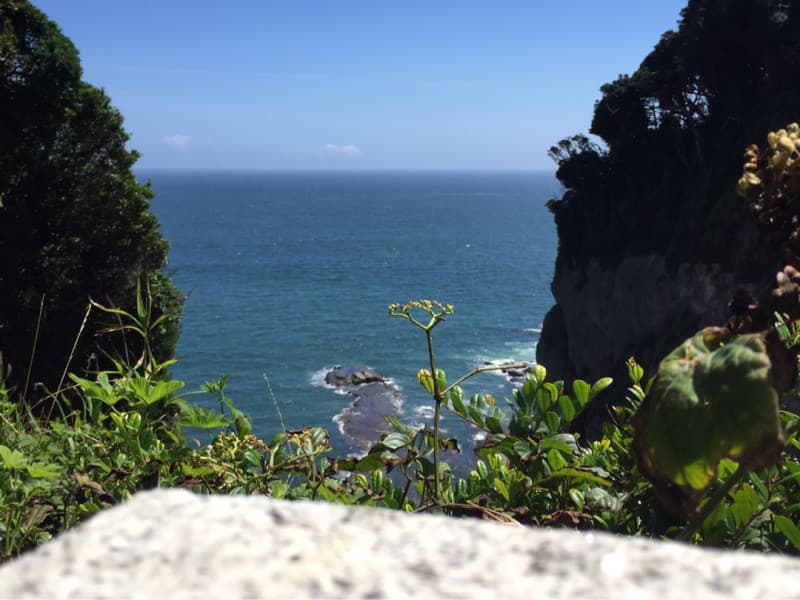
(672, 131)
(660, 181)
(75, 222)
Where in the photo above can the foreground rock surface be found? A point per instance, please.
(173, 544)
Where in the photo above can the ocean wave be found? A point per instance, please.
(317, 378)
(424, 411)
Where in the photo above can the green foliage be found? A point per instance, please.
(129, 434)
(712, 399)
(76, 223)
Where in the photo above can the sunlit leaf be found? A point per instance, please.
(500, 486)
(13, 459)
(44, 471)
(567, 408)
(581, 390)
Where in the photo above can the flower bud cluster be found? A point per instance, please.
(771, 181)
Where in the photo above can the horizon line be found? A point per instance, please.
(354, 170)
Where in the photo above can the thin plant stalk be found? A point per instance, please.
(437, 312)
(33, 349)
(74, 346)
(437, 397)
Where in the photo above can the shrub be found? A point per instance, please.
(76, 223)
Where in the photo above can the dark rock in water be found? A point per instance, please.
(515, 376)
(374, 398)
(364, 421)
(351, 375)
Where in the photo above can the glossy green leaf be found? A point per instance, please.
(600, 499)
(441, 379)
(539, 374)
(557, 443)
(493, 424)
(500, 486)
(395, 440)
(567, 408)
(553, 421)
(577, 498)
(787, 527)
(542, 400)
(457, 399)
(369, 462)
(599, 386)
(581, 390)
(475, 415)
(523, 449)
(556, 460)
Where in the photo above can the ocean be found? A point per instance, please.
(289, 274)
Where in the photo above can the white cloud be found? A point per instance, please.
(346, 150)
(176, 141)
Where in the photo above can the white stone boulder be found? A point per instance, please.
(174, 544)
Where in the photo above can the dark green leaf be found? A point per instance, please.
(556, 443)
(788, 529)
(475, 414)
(553, 421)
(370, 462)
(581, 390)
(493, 424)
(396, 440)
(567, 408)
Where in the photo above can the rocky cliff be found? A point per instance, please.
(653, 241)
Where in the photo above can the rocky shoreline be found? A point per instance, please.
(374, 398)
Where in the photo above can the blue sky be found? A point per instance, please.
(296, 84)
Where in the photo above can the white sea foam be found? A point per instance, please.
(532, 330)
(502, 362)
(317, 378)
(391, 383)
(426, 412)
(479, 436)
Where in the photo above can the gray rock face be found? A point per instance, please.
(173, 544)
(638, 307)
(610, 313)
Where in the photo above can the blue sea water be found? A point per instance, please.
(290, 274)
